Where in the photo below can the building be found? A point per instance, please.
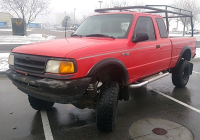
(5, 19)
(35, 25)
(59, 18)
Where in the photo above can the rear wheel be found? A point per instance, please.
(181, 74)
(107, 106)
(39, 104)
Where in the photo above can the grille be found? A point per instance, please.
(30, 63)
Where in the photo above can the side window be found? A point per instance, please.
(145, 25)
(162, 28)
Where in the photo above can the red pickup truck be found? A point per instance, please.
(108, 54)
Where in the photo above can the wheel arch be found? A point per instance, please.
(110, 62)
(185, 53)
(107, 66)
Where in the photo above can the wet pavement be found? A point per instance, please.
(19, 121)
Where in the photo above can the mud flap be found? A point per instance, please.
(191, 68)
(124, 93)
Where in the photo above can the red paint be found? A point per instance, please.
(144, 58)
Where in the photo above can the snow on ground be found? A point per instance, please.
(4, 59)
(197, 36)
(32, 38)
(62, 30)
(10, 30)
(197, 53)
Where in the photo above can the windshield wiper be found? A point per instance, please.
(77, 35)
(99, 35)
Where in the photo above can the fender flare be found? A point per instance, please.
(109, 61)
(187, 47)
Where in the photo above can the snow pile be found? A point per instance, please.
(32, 38)
(197, 53)
(4, 61)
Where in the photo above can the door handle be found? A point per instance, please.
(157, 46)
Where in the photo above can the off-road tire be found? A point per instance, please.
(39, 104)
(181, 74)
(107, 106)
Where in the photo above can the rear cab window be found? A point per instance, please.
(162, 28)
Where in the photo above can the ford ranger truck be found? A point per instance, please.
(106, 56)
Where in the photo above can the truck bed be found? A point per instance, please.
(178, 43)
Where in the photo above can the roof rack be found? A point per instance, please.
(180, 14)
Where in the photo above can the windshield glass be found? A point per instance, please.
(113, 25)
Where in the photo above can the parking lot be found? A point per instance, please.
(158, 100)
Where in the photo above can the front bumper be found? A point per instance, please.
(59, 91)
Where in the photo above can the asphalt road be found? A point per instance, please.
(18, 121)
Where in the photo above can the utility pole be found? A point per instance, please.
(100, 3)
(74, 14)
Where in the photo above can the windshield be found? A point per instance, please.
(111, 25)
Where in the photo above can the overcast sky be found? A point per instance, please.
(86, 7)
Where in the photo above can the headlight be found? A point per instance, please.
(11, 59)
(61, 67)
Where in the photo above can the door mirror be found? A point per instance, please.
(140, 37)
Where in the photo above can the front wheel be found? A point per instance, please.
(39, 104)
(107, 106)
(181, 74)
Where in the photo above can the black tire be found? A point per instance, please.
(181, 74)
(39, 104)
(107, 106)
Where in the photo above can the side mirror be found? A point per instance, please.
(71, 34)
(140, 37)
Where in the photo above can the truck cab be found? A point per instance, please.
(106, 56)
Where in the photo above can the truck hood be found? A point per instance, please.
(58, 48)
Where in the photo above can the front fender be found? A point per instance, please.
(106, 62)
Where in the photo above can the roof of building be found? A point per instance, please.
(6, 13)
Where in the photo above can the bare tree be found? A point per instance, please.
(65, 21)
(125, 3)
(120, 3)
(84, 17)
(191, 5)
(26, 9)
(139, 3)
(117, 3)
